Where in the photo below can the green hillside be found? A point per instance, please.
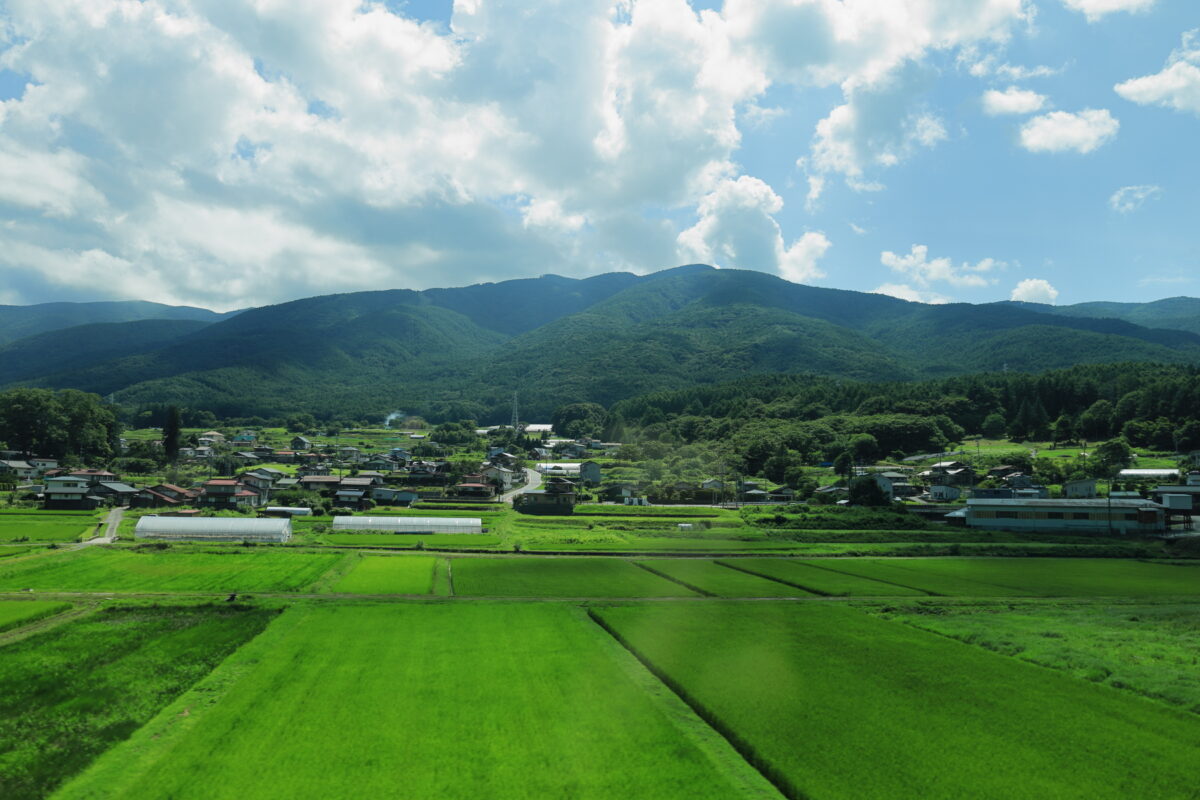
(459, 353)
(18, 322)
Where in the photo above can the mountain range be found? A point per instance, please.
(461, 352)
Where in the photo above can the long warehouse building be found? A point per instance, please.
(213, 529)
(408, 524)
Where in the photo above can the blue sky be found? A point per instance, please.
(231, 154)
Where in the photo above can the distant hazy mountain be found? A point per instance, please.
(462, 352)
(1176, 313)
(17, 322)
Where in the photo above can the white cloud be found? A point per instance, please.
(737, 229)
(924, 272)
(1057, 131)
(860, 230)
(233, 153)
(1012, 101)
(1176, 86)
(1035, 290)
(1095, 9)
(906, 292)
(1131, 198)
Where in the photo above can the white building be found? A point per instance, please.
(1057, 516)
(213, 529)
(408, 524)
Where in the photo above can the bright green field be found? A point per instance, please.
(431, 540)
(389, 575)
(714, 579)
(671, 544)
(1044, 577)
(69, 693)
(45, 527)
(817, 580)
(836, 704)
(422, 701)
(1148, 649)
(14, 613)
(558, 577)
(101, 569)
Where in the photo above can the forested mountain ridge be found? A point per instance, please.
(460, 353)
(18, 322)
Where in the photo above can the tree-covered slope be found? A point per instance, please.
(462, 352)
(83, 346)
(18, 322)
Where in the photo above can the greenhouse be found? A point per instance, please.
(213, 529)
(409, 524)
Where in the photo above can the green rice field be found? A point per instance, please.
(388, 575)
(832, 703)
(102, 569)
(813, 577)
(714, 579)
(15, 613)
(558, 577)
(1152, 650)
(411, 540)
(69, 693)
(46, 526)
(1043, 577)
(424, 701)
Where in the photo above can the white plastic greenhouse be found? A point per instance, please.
(213, 529)
(409, 524)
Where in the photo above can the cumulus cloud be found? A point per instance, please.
(872, 51)
(906, 292)
(1095, 9)
(1059, 131)
(1035, 290)
(1012, 101)
(1131, 198)
(918, 268)
(233, 153)
(737, 228)
(1176, 86)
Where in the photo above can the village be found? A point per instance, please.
(271, 472)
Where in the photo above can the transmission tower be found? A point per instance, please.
(514, 419)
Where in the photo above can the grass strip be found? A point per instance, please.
(16, 613)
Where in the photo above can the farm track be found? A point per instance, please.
(45, 623)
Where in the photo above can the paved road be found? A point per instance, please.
(110, 528)
(533, 479)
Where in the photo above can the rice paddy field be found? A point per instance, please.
(497, 701)
(126, 671)
(559, 577)
(70, 692)
(816, 578)
(1045, 577)
(44, 526)
(714, 579)
(15, 613)
(835, 704)
(101, 569)
(388, 575)
(1152, 650)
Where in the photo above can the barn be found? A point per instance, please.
(213, 529)
(408, 524)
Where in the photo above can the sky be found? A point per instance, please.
(233, 153)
